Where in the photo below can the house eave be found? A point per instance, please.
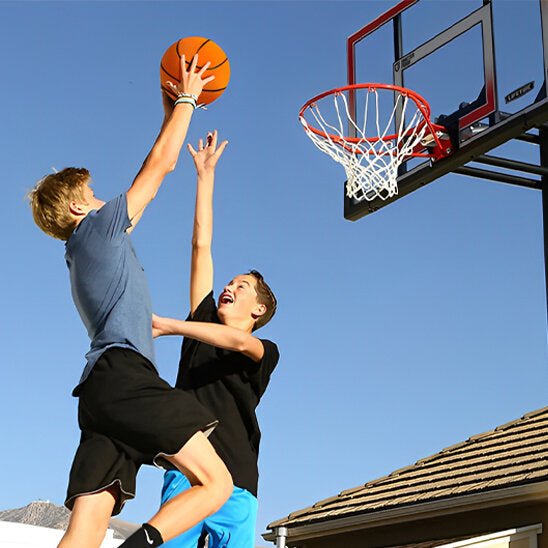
(488, 499)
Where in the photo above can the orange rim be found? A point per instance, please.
(421, 104)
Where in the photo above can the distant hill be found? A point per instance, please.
(46, 514)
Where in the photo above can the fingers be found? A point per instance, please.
(204, 68)
(192, 81)
(193, 65)
(209, 148)
(172, 86)
(212, 140)
(221, 149)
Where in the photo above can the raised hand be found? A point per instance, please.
(207, 156)
(191, 81)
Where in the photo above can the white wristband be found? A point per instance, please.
(187, 100)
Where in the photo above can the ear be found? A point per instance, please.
(258, 311)
(76, 208)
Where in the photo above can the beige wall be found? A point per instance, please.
(477, 523)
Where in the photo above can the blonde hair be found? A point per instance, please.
(50, 199)
(265, 296)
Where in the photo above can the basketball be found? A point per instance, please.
(170, 66)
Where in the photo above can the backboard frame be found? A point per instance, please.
(470, 146)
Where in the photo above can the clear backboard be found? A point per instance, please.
(482, 67)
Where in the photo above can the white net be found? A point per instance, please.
(370, 159)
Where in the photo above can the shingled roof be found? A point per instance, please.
(513, 454)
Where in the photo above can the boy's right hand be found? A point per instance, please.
(191, 81)
(206, 157)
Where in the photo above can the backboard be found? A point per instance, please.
(482, 66)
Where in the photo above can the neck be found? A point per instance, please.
(78, 220)
(80, 215)
(244, 325)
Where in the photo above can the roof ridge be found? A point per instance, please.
(493, 463)
(357, 505)
(535, 413)
(420, 462)
(489, 451)
(458, 478)
(487, 433)
(488, 440)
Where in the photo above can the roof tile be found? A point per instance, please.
(512, 454)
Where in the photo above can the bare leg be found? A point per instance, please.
(211, 488)
(89, 520)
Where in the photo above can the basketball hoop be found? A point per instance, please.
(378, 144)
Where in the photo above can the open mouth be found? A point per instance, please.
(226, 298)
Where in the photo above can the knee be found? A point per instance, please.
(88, 537)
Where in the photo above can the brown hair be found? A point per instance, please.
(51, 197)
(264, 296)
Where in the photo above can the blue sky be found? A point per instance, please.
(400, 334)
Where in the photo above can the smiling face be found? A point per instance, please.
(238, 304)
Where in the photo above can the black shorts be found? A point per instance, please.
(129, 416)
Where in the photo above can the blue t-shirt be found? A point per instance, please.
(108, 283)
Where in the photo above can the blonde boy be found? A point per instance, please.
(128, 415)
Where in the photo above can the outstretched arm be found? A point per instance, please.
(167, 103)
(165, 152)
(222, 336)
(201, 269)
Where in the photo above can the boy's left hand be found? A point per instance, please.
(206, 157)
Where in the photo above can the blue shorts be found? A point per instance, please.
(232, 526)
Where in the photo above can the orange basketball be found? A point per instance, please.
(170, 66)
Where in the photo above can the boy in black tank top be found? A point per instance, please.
(225, 366)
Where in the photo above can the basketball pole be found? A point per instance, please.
(543, 146)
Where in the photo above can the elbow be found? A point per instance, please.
(199, 244)
(242, 344)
